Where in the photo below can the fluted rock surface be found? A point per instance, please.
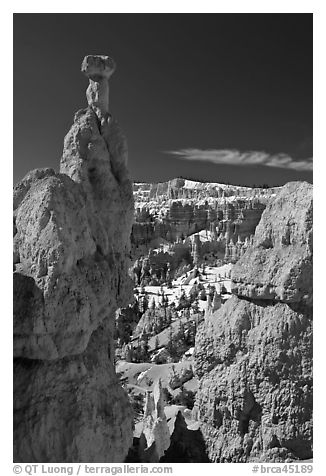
(71, 249)
(279, 264)
(253, 356)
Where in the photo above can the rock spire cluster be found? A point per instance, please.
(71, 250)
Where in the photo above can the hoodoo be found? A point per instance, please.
(71, 250)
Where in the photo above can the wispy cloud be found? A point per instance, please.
(235, 157)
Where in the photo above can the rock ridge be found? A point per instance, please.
(279, 264)
(253, 356)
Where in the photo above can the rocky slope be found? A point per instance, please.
(253, 356)
(71, 248)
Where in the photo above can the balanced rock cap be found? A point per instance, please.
(96, 67)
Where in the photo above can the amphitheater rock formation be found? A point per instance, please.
(179, 207)
(253, 356)
(71, 248)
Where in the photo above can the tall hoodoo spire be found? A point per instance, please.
(98, 69)
(72, 243)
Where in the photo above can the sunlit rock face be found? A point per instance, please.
(279, 264)
(71, 251)
(253, 356)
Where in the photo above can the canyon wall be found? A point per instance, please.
(253, 356)
(171, 219)
(169, 212)
(71, 250)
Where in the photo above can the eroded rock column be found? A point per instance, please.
(72, 244)
(98, 69)
(155, 437)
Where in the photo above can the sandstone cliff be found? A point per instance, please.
(71, 248)
(254, 355)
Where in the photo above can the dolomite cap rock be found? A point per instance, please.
(96, 67)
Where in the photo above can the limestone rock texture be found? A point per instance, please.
(279, 264)
(71, 257)
(253, 356)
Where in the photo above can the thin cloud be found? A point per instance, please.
(235, 157)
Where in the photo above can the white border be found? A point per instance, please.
(168, 6)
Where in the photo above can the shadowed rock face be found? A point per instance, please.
(254, 355)
(71, 249)
(187, 446)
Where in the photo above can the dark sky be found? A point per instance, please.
(240, 82)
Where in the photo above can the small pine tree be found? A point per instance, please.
(157, 343)
(160, 320)
(144, 347)
(170, 344)
(195, 306)
(168, 317)
(153, 305)
(144, 303)
(202, 295)
(181, 333)
(212, 291)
